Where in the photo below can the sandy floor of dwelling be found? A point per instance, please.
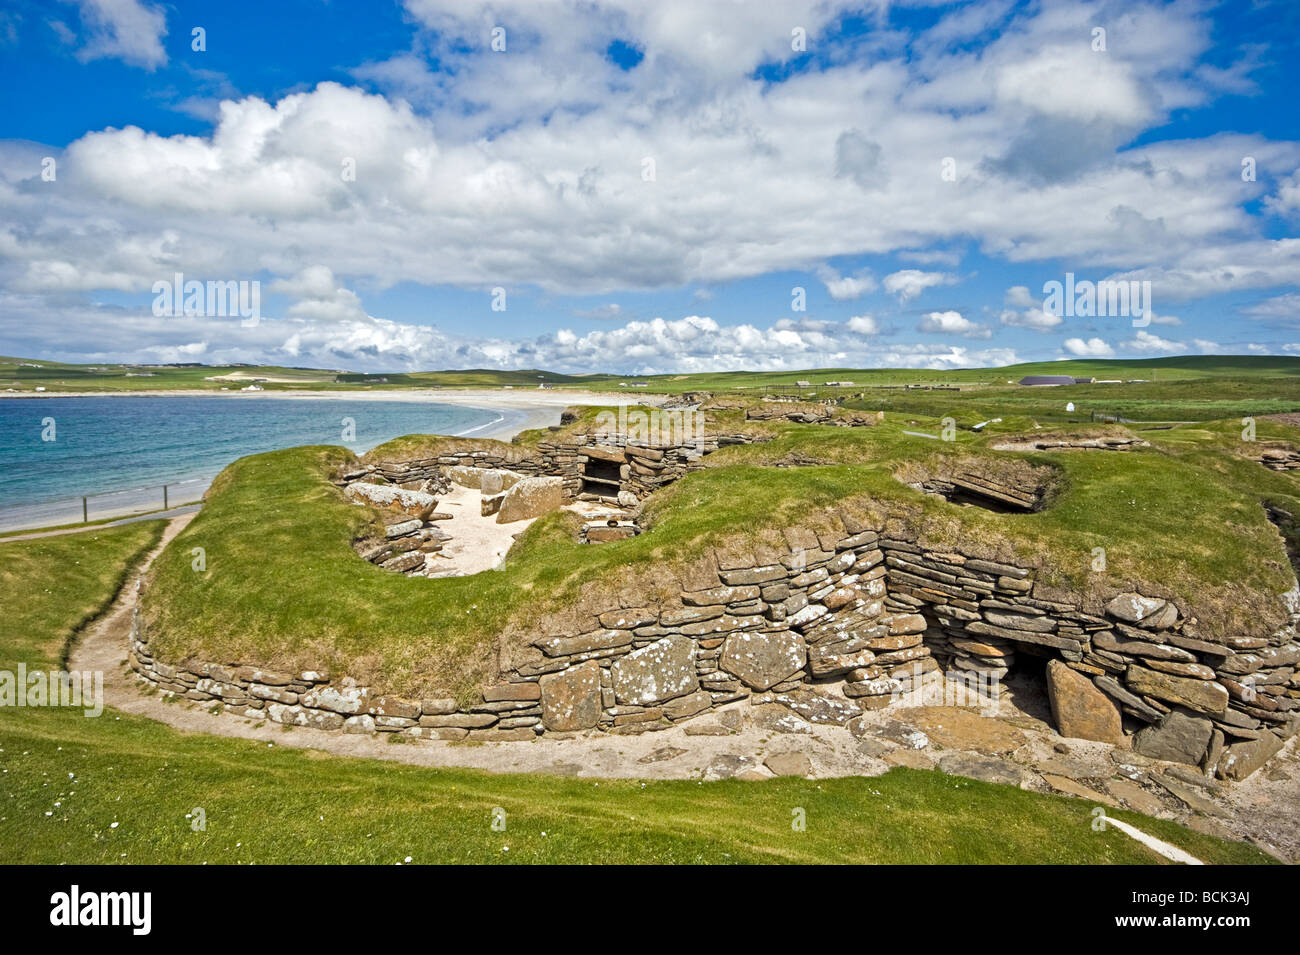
(479, 543)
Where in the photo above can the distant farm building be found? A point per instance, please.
(1041, 380)
(803, 384)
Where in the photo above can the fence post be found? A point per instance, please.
(164, 497)
(85, 512)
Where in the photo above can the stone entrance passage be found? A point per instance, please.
(978, 491)
(601, 477)
(1010, 487)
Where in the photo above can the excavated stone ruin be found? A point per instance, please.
(837, 622)
(1009, 487)
(842, 621)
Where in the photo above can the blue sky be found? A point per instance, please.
(647, 184)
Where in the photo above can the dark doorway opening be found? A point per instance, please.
(601, 477)
(1026, 681)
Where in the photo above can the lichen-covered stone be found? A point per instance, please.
(1241, 759)
(299, 716)
(584, 642)
(394, 706)
(762, 660)
(1201, 695)
(1180, 738)
(571, 699)
(687, 706)
(902, 623)
(364, 723)
(1133, 607)
(389, 497)
(661, 671)
(346, 700)
(531, 497)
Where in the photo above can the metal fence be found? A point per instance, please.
(103, 505)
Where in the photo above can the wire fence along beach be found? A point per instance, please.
(117, 456)
(103, 505)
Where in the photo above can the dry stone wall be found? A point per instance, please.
(1108, 443)
(551, 458)
(1278, 458)
(603, 468)
(620, 472)
(835, 624)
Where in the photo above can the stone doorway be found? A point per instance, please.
(1025, 682)
(602, 478)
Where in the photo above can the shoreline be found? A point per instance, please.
(487, 398)
(526, 411)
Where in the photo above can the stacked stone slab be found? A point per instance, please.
(1138, 653)
(856, 419)
(845, 619)
(643, 467)
(406, 545)
(800, 412)
(600, 532)
(985, 488)
(1278, 458)
(1074, 444)
(552, 458)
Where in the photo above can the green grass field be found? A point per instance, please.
(1244, 384)
(25, 375)
(120, 789)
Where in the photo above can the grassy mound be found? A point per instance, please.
(283, 587)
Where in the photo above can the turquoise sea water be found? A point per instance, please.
(129, 443)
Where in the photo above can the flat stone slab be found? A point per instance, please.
(777, 719)
(762, 660)
(1201, 695)
(1179, 738)
(816, 708)
(984, 768)
(531, 497)
(1133, 607)
(708, 729)
(1080, 709)
(954, 727)
(908, 737)
(910, 758)
(789, 764)
(729, 766)
(662, 754)
(662, 671)
(393, 498)
(571, 699)
(1072, 787)
(1134, 796)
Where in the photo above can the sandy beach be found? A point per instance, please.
(519, 410)
(513, 411)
